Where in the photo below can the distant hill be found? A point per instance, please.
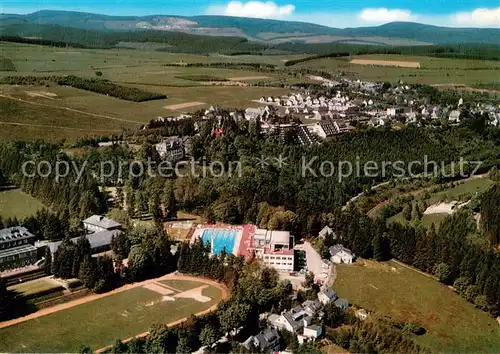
(261, 30)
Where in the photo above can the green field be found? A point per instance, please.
(453, 325)
(432, 70)
(181, 285)
(14, 203)
(100, 322)
(427, 220)
(32, 287)
(462, 191)
(55, 112)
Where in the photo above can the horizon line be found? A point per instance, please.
(243, 17)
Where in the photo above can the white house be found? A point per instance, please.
(312, 331)
(99, 223)
(454, 116)
(324, 232)
(340, 254)
(326, 295)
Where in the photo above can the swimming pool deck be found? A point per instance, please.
(242, 241)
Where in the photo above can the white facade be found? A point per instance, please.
(312, 332)
(279, 261)
(281, 323)
(326, 295)
(342, 257)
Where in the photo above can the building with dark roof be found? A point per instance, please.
(16, 248)
(99, 241)
(98, 223)
(267, 341)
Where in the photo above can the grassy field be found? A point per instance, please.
(14, 203)
(452, 323)
(100, 322)
(34, 118)
(462, 191)
(432, 70)
(427, 220)
(35, 286)
(56, 112)
(181, 285)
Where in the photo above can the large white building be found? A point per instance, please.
(273, 247)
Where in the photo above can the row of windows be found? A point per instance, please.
(278, 257)
(17, 256)
(278, 263)
(13, 243)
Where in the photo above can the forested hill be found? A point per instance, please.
(59, 36)
(257, 29)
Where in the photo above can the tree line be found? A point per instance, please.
(100, 86)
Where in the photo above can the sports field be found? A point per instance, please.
(14, 203)
(453, 325)
(98, 320)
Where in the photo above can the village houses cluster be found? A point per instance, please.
(308, 118)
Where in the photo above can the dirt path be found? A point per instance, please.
(93, 297)
(69, 109)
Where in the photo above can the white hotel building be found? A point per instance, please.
(273, 247)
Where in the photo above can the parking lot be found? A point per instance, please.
(311, 261)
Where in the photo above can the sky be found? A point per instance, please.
(333, 13)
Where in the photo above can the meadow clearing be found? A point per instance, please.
(14, 203)
(460, 192)
(58, 113)
(432, 70)
(452, 323)
(122, 314)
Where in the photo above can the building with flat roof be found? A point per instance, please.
(16, 248)
(99, 241)
(272, 247)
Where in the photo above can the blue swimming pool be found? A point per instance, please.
(222, 239)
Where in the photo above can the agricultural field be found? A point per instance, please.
(58, 113)
(14, 203)
(432, 70)
(125, 65)
(99, 322)
(452, 323)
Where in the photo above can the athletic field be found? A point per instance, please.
(98, 320)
